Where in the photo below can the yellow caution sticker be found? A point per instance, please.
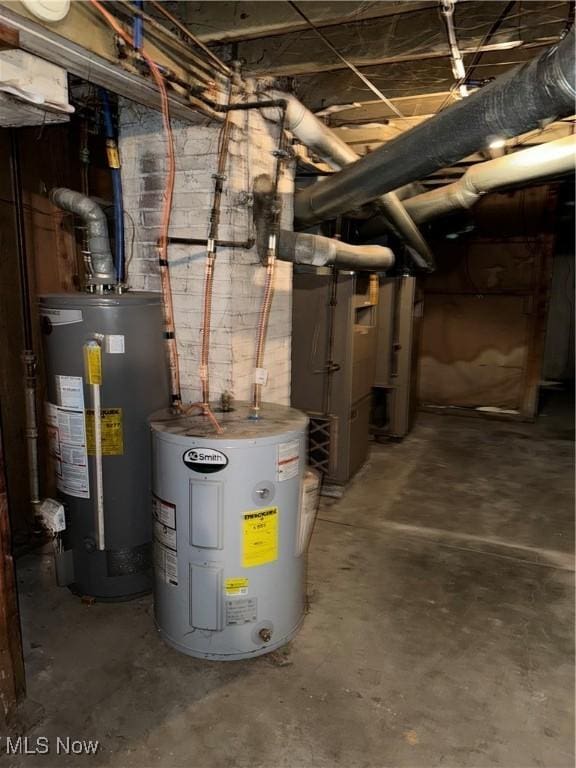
(237, 586)
(112, 153)
(259, 536)
(111, 430)
(93, 361)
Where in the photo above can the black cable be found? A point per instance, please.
(479, 52)
(20, 237)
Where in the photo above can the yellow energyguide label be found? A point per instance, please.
(93, 360)
(259, 537)
(111, 430)
(237, 586)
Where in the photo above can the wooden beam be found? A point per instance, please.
(86, 48)
(419, 105)
(9, 38)
(416, 35)
(12, 680)
(216, 21)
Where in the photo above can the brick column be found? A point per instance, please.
(239, 275)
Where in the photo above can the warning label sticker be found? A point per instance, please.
(237, 586)
(288, 460)
(114, 344)
(243, 611)
(67, 444)
(111, 431)
(166, 564)
(165, 535)
(70, 391)
(259, 537)
(93, 361)
(164, 512)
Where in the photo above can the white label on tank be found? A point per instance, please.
(62, 316)
(288, 460)
(114, 344)
(309, 498)
(164, 512)
(243, 610)
(71, 426)
(66, 429)
(166, 564)
(70, 391)
(165, 535)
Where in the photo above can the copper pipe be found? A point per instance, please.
(270, 271)
(168, 305)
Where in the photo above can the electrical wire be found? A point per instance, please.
(345, 61)
(478, 53)
(219, 63)
(168, 304)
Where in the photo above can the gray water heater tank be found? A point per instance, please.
(230, 532)
(127, 333)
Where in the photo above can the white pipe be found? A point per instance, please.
(98, 461)
(312, 132)
(93, 358)
(29, 360)
(318, 251)
(526, 165)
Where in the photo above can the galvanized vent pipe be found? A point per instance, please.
(532, 164)
(318, 251)
(514, 103)
(94, 217)
(315, 135)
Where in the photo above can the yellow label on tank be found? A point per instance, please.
(259, 536)
(237, 586)
(111, 429)
(93, 360)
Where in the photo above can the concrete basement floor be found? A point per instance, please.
(440, 630)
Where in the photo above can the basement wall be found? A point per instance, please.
(239, 274)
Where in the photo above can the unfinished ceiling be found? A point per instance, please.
(328, 51)
(402, 47)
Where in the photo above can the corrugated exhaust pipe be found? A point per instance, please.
(312, 132)
(98, 238)
(527, 165)
(318, 251)
(512, 104)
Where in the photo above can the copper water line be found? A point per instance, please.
(270, 272)
(219, 178)
(263, 324)
(167, 302)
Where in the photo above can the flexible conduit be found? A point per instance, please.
(169, 329)
(113, 157)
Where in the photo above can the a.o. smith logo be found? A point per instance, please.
(205, 460)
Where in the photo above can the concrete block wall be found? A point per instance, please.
(239, 275)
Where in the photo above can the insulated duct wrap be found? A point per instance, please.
(512, 104)
(97, 231)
